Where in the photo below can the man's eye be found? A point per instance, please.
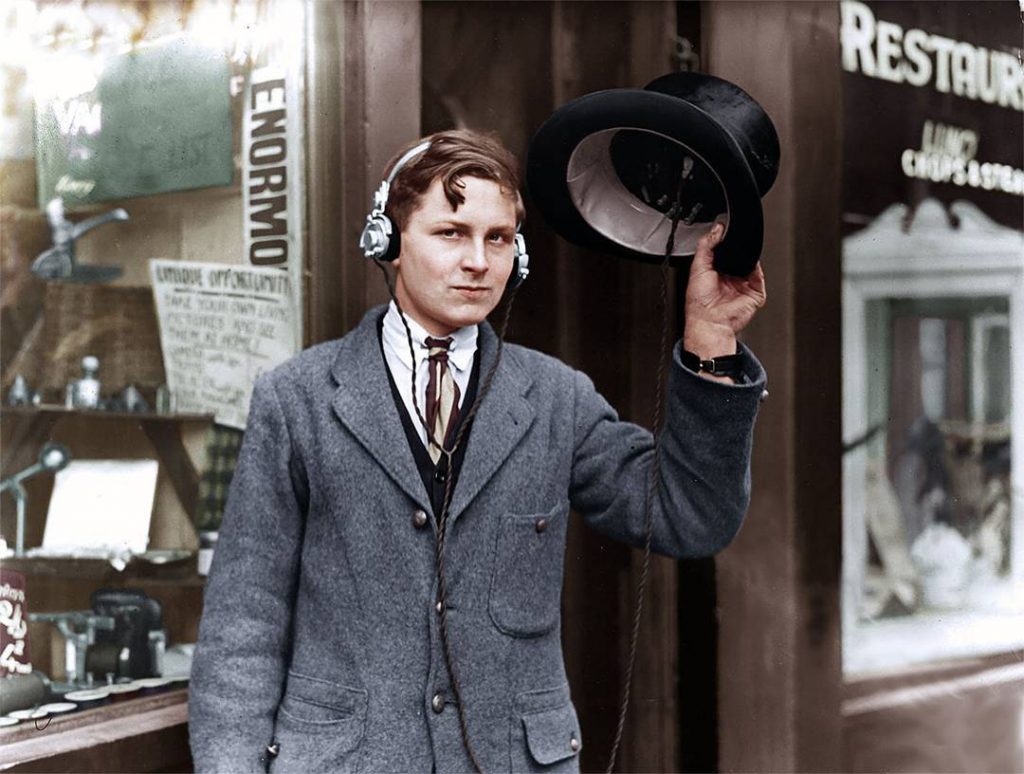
(499, 238)
(449, 233)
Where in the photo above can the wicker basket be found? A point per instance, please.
(116, 324)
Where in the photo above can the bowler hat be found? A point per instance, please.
(610, 170)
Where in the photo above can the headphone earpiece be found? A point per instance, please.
(520, 262)
(380, 239)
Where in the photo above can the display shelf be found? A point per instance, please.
(36, 424)
(139, 416)
(178, 573)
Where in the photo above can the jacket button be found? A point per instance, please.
(574, 744)
(419, 519)
(439, 607)
(437, 703)
(439, 475)
(541, 525)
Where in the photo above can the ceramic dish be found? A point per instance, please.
(153, 684)
(88, 699)
(123, 691)
(28, 714)
(58, 707)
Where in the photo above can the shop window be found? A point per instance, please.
(152, 208)
(933, 519)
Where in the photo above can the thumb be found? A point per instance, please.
(704, 256)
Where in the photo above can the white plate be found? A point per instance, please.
(27, 714)
(153, 682)
(94, 695)
(123, 688)
(58, 707)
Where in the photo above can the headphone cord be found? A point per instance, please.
(442, 530)
(652, 486)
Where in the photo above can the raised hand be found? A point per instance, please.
(718, 306)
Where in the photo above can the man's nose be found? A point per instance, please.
(475, 257)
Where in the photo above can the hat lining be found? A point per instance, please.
(615, 212)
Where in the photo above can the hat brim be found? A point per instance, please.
(558, 138)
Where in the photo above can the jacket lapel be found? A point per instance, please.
(364, 404)
(502, 419)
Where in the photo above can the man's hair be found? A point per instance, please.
(452, 155)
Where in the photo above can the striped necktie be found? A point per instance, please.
(442, 397)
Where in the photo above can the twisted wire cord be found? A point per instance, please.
(648, 497)
(442, 536)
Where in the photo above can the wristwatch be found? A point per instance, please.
(723, 365)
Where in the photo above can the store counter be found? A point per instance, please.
(145, 734)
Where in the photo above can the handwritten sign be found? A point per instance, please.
(221, 326)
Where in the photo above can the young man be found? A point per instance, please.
(323, 635)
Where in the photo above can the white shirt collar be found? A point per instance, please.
(460, 354)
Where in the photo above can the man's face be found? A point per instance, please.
(453, 266)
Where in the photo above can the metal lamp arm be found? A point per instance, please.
(80, 228)
(14, 482)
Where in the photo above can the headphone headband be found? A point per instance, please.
(423, 147)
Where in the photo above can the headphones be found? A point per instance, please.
(381, 241)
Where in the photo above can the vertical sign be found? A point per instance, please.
(272, 181)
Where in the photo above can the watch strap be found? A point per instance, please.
(723, 365)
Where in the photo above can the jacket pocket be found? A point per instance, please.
(526, 587)
(319, 725)
(545, 732)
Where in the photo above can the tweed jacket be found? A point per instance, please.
(320, 633)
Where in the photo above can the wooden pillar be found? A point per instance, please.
(779, 664)
(602, 299)
(363, 80)
(324, 98)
